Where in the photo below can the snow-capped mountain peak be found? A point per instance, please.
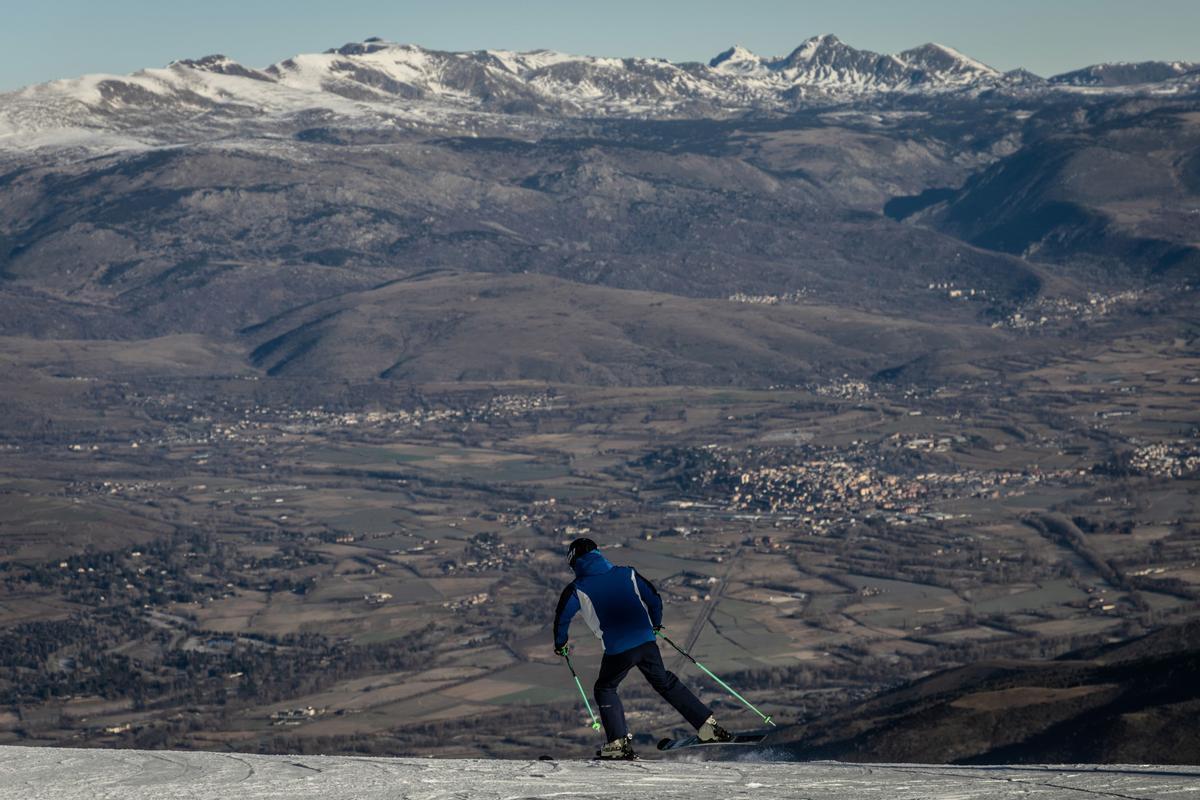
(736, 59)
(938, 58)
(824, 47)
(825, 64)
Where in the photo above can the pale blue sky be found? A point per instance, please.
(45, 39)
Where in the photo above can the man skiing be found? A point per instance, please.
(624, 610)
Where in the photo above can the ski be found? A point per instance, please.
(600, 758)
(747, 737)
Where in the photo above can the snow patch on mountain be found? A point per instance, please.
(946, 60)
(524, 64)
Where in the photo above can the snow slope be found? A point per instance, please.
(31, 773)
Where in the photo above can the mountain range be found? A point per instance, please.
(215, 199)
(399, 84)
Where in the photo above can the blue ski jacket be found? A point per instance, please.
(620, 606)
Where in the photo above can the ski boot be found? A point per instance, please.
(618, 750)
(710, 732)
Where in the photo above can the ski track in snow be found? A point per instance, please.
(36, 773)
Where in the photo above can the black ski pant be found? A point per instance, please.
(613, 669)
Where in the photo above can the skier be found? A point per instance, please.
(624, 610)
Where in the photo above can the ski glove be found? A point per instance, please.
(563, 651)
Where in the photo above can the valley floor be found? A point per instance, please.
(32, 773)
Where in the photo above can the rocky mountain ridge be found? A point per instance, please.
(1126, 74)
(385, 83)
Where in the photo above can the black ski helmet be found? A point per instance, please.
(578, 548)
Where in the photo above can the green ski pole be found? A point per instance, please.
(710, 674)
(583, 694)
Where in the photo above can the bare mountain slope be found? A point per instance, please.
(216, 237)
(1120, 192)
(477, 327)
(210, 198)
(1133, 702)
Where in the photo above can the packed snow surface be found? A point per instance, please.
(33, 773)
